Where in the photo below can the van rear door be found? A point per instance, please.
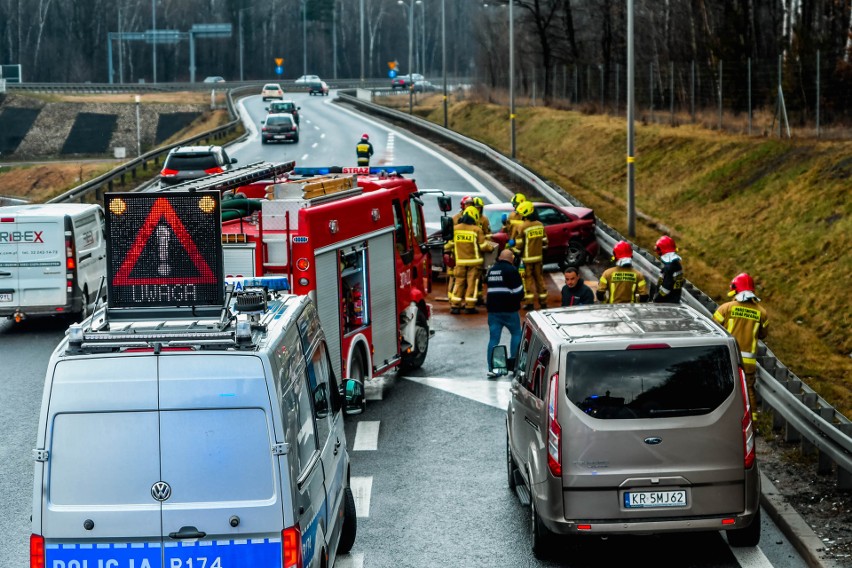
(40, 261)
(101, 434)
(216, 440)
(8, 263)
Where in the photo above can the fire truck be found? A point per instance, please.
(353, 239)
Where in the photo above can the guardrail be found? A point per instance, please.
(803, 415)
(119, 176)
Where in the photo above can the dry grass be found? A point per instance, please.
(781, 210)
(40, 182)
(183, 97)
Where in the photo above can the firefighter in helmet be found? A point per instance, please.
(484, 223)
(529, 242)
(514, 219)
(364, 150)
(468, 244)
(747, 321)
(622, 284)
(465, 202)
(671, 276)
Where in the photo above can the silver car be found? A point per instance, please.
(631, 419)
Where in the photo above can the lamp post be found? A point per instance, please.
(631, 206)
(409, 6)
(138, 130)
(154, 39)
(362, 41)
(444, 54)
(423, 38)
(512, 73)
(304, 37)
(240, 24)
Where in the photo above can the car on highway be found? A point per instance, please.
(271, 91)
(424, 86)
(186, 163)
(286, 107)
(630, 419)
(305, 79)
(404, 81)
(570, 231)
(318, 88)
(214, 79)
(279, 127)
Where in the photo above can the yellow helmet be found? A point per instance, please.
(472, 212)
(525, 208)
(518, 198)
(478, 202)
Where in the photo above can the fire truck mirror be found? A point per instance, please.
(445, 203)
(447, 228)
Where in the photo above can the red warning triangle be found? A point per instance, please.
(162, 209)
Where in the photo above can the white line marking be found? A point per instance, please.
(316, 127)
(492, 392)
(305, 157)
(355, 560)
(492, 198)
(362, 488)
(322, 135)
(751, 557)
(314, 145)
(367, 436)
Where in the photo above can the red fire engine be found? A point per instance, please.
(354, 239)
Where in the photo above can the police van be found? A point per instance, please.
(52, 259)
(191, 434)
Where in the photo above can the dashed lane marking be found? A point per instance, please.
(493, 392)
(305, 157)
(751, 557)
(314, 145)
(355, 560)
(362, 488)
(367, 436)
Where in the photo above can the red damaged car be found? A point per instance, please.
(570, 231)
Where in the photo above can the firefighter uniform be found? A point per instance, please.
(530, 242)
(747, 322)
(364, 151)
(621, 285)
(467, 245)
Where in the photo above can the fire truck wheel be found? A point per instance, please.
(357, 370)
(421, 344)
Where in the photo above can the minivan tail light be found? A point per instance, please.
(36, 551)
(648, 346)
(216, 170)
(749, 451)
(70, 262)
(291, 543)
(168, 173)
(554, 430)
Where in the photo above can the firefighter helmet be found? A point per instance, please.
(518, 198)
(742, 282)
(472, 212)
(365, 136)
(465, 202)
(665, 244)
(525, 208)
(622, 249)
(478, 203)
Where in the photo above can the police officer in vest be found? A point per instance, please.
(364, 150)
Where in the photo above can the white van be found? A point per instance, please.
(52, 259)
(180, 441)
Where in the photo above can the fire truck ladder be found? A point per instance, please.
(235, 178)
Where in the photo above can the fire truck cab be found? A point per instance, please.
(354, 240)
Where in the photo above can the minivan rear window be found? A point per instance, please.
(649, 383)
(183, 162)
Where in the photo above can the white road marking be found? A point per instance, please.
(751, 557)
(480, 188)
(493, 392)
(355, 560)
(314, 145)
(362, 489)
(374, 388)
(322, 135)
(367, 436)
(316, 127)
(305, 157)
(389, 147)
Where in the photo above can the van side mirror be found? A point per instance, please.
(446, 228)
(266, 109)
(233, 160)
(499, 360)
(445, 203)
(353, 391)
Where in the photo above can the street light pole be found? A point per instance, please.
(138, 129)
(154, 39)
(240, 24)
(423, 38)
(410, 8)
(444, 53)
(304, 37)
(631, 206)
(362, 41)
(512, 73)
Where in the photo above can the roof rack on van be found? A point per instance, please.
(235, 178)
(239, 326)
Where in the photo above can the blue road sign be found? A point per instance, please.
(392, 73)
(279, 70)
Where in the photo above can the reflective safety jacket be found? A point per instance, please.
(620, 285)
(484, 223)
(670, 284)
(513, 223)
(467, 244)
(530, 241)
(364, 151)
(747, 322)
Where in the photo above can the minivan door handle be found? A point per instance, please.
(187, 533)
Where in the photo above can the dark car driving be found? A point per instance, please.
(277, 107)
(186, 163)
(570, 231)
(279, 128)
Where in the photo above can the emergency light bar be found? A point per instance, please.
(271, 283)
(360, 170)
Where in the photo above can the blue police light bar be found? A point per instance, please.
(360, 170)
(271, 283)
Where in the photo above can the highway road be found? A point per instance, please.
(428, 454)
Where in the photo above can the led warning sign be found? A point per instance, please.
(164, 249)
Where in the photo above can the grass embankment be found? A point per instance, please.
(780, 210)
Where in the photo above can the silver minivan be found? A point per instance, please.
(631, 419)
(179, 441)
